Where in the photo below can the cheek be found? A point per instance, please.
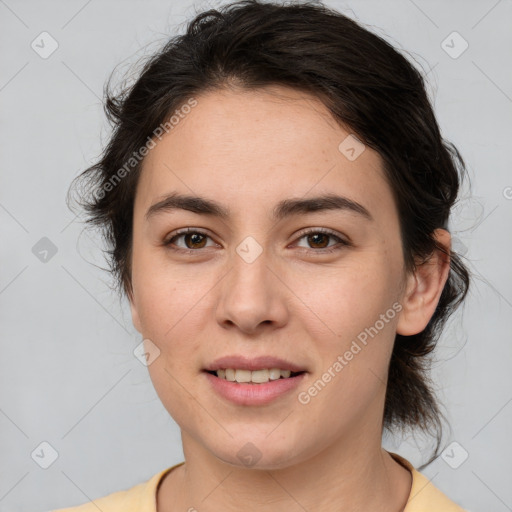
(339, 303)
(351, 317)
(167, 295)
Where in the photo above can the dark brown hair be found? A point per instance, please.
(365, 83)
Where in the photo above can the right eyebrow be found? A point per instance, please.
(196, 204)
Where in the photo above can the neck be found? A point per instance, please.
(347, 477)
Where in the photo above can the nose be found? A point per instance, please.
(253, 295)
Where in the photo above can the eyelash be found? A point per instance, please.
(341, 242)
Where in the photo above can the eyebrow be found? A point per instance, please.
(283, 209)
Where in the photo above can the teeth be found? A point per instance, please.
(260, 376)
(274, 373)
(256, 376)
(243, 375)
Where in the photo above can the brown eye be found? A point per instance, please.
(193, 240)
(319, 241)
(196, 240)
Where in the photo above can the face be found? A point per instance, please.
(301, 284)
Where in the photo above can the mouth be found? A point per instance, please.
(262, 376)
(254, 387)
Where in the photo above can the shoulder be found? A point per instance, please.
(424, 496)
(128, 500)
(141, 497)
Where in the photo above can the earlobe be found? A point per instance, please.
(135, 314)
(424, 288)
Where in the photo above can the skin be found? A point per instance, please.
(248, 150)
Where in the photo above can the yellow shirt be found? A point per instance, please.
(424, 497)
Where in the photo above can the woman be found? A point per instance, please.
(276, 194)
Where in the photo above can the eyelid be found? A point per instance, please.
(181, 232)
(343, 241)
(325, 231)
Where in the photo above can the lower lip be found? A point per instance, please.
(253, 394)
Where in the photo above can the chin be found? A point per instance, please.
(258, 452)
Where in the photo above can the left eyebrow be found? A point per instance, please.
(283, 209)
(290, 207)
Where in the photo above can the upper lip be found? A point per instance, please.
(239, 362)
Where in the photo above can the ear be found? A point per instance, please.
(424, 288)
(135, 313)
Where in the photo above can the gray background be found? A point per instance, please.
(68, 374)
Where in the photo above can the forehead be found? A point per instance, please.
(260, 146)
